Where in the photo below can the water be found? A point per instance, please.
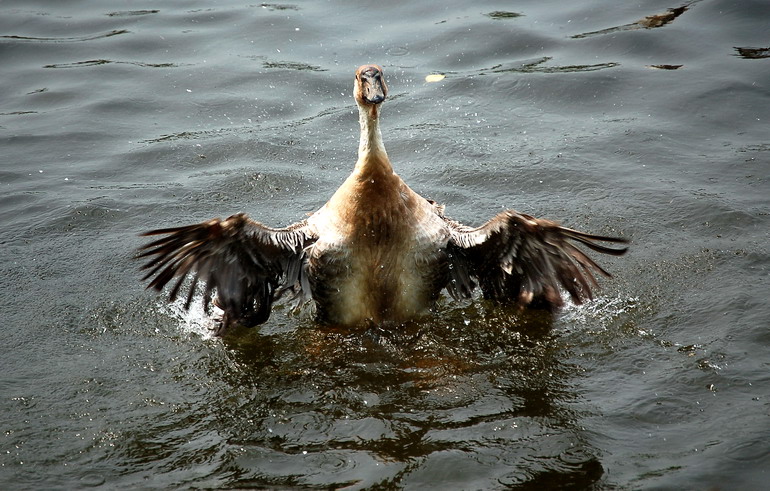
(117, 117)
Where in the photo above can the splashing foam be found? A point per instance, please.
(598, 314)
(195, 319)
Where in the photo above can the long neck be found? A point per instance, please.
(371, 152)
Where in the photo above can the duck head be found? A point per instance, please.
(370, 89)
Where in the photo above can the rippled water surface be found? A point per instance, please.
(644, 119)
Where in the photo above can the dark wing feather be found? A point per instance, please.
(524, 259)
(244, 261)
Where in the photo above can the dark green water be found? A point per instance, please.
(117, 117)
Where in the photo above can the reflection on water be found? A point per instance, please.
(287, 65)
(649, 22)
(468, 393)
(537, 66)
(665, 67)
(753, 53)
(90, 63)
(660, 20)
(502, 14)
(75, 39)
(124, 13)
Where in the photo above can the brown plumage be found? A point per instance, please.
(375, 251)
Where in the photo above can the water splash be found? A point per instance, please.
(599, 314)
(195, 319)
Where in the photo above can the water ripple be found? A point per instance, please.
(278, 6)
(538, 66)
(90, 63)
(501, 14)
(749, 451)
(76, 39)
(128, 13)
(290, 65)
(110, 383)
(752, 53)
(649, 22)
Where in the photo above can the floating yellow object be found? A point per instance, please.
(435, 77)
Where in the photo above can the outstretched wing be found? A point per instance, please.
(244, 261)
(525, 259)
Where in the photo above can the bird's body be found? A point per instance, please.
(379, 251)
(376, 251)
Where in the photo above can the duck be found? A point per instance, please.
(376, 252)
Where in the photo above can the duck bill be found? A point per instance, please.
(373, 91)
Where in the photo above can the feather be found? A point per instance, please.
(238, 258)
(516, 256)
